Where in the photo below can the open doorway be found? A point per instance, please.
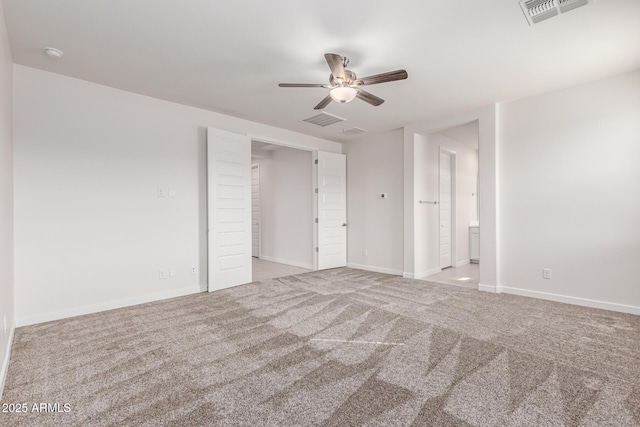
(414, 245)
(281, 210)
(450, 216)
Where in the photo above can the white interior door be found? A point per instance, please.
(255, 211)
(229, 208)
(332, 210)
(445, 209)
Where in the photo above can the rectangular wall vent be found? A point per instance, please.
(323, 119)
(539, 10)
(353, 131)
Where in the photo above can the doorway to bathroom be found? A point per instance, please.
(450, 213)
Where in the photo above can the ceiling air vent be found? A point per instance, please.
(323, 119)
(567, 5)
(353, 131)
(539, 10)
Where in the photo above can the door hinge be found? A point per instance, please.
(317, 249)
(316, 191)
(316, 220)
(316, 161)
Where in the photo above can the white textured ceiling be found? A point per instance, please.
(229, 56)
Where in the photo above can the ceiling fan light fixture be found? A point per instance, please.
(343, 94)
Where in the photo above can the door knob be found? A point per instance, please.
(344, 225)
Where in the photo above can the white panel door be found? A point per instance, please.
(445, 209)
(255, 211)
(332, 210)
(229, 208)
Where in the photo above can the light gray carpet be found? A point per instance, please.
(342, 347)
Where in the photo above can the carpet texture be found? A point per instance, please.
(341, 347)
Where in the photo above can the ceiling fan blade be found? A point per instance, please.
(301, 85)
(382, 78)
(323, 103)
(335, 64)
(370, 98)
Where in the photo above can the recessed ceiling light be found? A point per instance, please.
(53, 53)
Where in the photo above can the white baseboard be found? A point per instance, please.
(103, 306)
(571, 300)
(375, 269)
(5, 362)
(426, 273)
(422, 274)
(488, 288)
(288, 262)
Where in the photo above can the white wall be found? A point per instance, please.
(286, 228)
(90, 231)
(6, 198)
(427, 226)
(375, 166)
(570, 194)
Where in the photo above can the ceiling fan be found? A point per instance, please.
(344, 84)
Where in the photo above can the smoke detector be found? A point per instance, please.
(53, 53)
(539, 10)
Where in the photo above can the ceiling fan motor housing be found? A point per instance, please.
(349, 77)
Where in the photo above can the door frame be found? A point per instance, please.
(314, 208)
(257, 166)
(453, 211)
